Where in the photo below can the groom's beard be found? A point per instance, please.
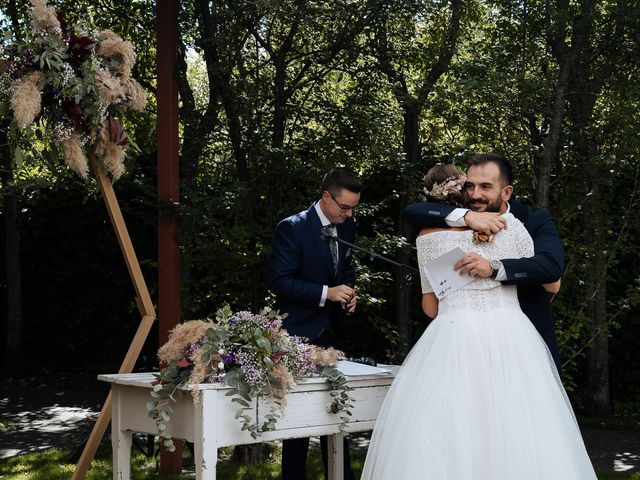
(482, 205)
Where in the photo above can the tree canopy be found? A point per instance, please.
(273, 94)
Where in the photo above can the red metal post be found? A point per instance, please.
(168, 187)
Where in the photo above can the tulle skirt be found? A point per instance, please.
(478, 398)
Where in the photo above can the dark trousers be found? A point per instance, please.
(294, 451)
(294, 458)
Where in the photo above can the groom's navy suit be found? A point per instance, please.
(527, 273)
(301, 265)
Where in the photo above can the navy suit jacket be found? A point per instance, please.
(301, 264)
(527, 273)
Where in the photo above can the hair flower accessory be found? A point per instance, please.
(449, 185)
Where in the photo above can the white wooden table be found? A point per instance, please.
(210, 424)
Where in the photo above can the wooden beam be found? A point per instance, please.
(145, 305)
(168, 189)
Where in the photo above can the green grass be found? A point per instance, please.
(53, 465)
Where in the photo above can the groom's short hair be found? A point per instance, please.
(506, 171)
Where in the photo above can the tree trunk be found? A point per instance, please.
(197, 128)
(582, 102)
(600, 399)
(220, 76)
(411, 143)
(13, 343)
(277, 155)
(567, 57)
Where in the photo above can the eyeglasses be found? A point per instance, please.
(343, 208)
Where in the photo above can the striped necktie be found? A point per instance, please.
(333, 246)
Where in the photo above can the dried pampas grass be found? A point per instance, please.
(326, 356)
(111, 45)
(74, 156)
(44, 17)
(202, 371)
(110, 89)
(136, 94)
(111, 154)
(26, 100)
(281, 382)
(181, 337)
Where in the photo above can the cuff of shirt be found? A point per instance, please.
(456, 218)
(323, 298)
(502, 275)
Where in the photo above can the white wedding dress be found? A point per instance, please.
(478, 397)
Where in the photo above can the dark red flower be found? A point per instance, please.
(117, 133)
(79, 49)
(75, 112)
(4, 66)
(278, 355)
(183, 363)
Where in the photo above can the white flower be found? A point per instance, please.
(221, 351)
(221, 366)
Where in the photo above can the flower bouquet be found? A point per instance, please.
(74, 81)
(253, 355)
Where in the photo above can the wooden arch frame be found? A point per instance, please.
(168, 252)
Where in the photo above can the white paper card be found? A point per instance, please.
(443, 278)
(353, 368)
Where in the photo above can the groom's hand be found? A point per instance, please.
(474, 265)
(485, 222)
(341, 293)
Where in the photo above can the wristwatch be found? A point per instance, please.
(496, 265)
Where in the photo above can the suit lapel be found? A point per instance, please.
(321, 244)
(520, 211)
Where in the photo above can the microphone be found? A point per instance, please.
(327, 235)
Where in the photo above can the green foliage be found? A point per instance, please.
(297, 90)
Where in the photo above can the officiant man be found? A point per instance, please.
(313, 281)
(487, 194)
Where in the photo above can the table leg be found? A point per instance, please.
(120, 440)
(205, 446)
(335, 444)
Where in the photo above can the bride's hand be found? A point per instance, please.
(485, 222)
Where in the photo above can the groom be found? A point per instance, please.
(313, 280)
(487, 193)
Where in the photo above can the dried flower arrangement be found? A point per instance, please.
(254, 356)
(75, 82)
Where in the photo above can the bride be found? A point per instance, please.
(478, 396)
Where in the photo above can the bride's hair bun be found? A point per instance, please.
(444, 183)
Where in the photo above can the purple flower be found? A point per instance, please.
(233, 320)
(229, 358)
(253, 375)
(194, 347)
(275, 324)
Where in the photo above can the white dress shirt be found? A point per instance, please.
(325, 222)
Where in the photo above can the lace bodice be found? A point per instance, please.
(512, 242)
